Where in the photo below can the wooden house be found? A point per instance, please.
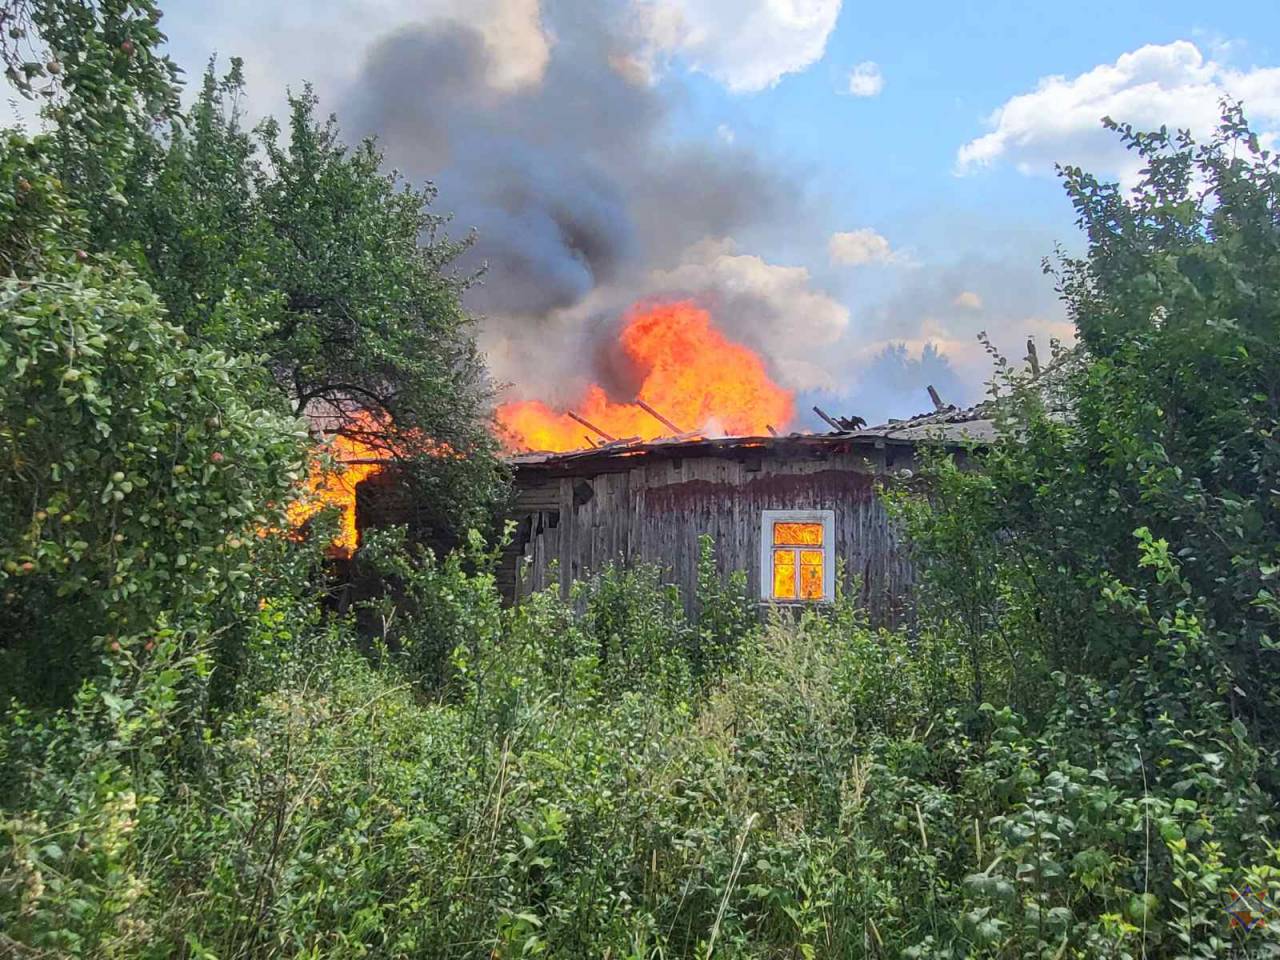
(791, 511)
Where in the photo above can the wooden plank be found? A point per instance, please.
(834, 426)
(655, 513)
(591, 426)
(657, 416)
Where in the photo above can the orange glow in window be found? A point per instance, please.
(799, 561)
(810, 574)
(784, 574)
(797, 534)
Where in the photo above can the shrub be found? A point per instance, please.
(143, 470)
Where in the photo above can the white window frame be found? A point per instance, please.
(828, 520)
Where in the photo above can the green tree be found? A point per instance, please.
(106, 89)
(139, 472)
(1134, 500)
(280, 243)
(286, 244)
(1178, 305)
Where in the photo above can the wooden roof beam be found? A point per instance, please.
(822, 413)
(676, 431)
(591, 426)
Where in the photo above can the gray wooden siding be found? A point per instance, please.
(656, 512)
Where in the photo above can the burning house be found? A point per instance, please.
(794, 512)
(695, 451)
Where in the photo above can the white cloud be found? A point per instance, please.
(866, 80)
(1173, 84)
(939, 304)
(747, 45)
(517, 42)
(725, 133)
(857, 247)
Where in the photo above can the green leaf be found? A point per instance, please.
(1238, 728)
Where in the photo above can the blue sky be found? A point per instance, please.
(946, 66)
(897, 215)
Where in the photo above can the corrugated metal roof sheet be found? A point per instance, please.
(950, 425)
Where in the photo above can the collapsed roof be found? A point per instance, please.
(949, 425)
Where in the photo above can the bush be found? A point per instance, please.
(1107, 568)
(828, 793)
(143, 471)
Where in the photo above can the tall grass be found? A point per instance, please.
(588, 783)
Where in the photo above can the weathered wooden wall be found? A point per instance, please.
(656, 511)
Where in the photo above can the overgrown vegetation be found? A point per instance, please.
(1072, 753)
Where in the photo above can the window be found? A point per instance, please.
(797, 560)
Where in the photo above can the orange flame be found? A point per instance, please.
(346, 459)
(693, 374)
(354, 461)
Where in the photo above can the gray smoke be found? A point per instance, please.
(583, 201)
(570, 183)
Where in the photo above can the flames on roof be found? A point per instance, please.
(946, 423)
(950, 424)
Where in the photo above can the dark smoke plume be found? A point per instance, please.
(570, 183)
(584, 201)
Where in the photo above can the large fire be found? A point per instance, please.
(354, 459)
(692, 374)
